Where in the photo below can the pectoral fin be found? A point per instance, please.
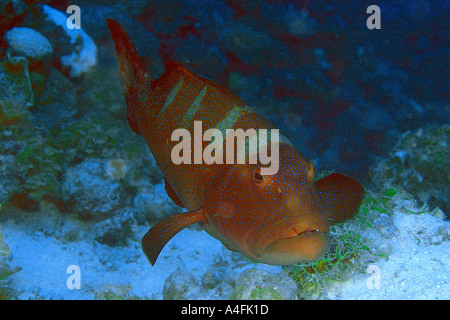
(341, 196)
(157, 237)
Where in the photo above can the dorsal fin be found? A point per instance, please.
(341, 196)
(133, 76)
(158, 235)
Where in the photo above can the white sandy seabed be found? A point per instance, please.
(418, 266)
(412, 271)
(44, 263)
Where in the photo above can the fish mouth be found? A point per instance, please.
(259, 242)
(307, 245)
(300, 233)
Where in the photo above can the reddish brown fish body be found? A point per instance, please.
(279, 219)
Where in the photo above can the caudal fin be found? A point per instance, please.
(133, 76)
(157, 237)
(341, 196)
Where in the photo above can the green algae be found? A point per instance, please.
(6, 293)
(265, 294)
(40, 166)
(16, 94)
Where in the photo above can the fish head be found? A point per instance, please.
(275, 219)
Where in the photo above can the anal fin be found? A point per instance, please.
(228, 247)
(158, 235)
(172, 195)
(341, 196)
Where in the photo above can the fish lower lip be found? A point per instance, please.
(309, 231)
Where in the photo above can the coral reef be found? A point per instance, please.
(419, 163)
(115, 292)
(16, 92)
(5, 256)
(180, 286)
(6, 293)
(90, 187)
(260, 285)
(252, 284)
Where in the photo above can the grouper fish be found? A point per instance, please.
(277, 219)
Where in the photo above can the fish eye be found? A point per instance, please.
(258, 176)
(259, 180)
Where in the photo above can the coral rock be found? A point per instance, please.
(28, 42)
(261, 285)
